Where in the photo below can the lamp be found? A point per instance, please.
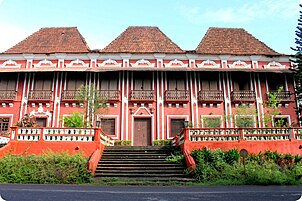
(98, 124)
(186, 124)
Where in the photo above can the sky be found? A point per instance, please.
(184, 21)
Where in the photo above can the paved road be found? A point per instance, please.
(12, 192)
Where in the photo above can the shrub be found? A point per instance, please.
(176, 157)
(162, 142)
(51, 168)
(75, 120)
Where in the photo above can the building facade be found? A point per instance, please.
(150, 84)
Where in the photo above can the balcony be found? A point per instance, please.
(142, 95)
(8, 94)
(210, 96)
(177, 95)
(283, 96)
(40, 95)
(243, 96)
(110, 95)
(69, 95)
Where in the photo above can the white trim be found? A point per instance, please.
(239, 64)
(142, 63)
(117, 123)
(10, 116)
(274, 64)
(42, 114)
(77, 63)
(169, 117)
(10, 64)
(176, 63)
(210, 116)
(249, 115)
(109, 63)
(208, 64)
(45, 64)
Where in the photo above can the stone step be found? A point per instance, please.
(122, 168)
(141, 165)
(134, 156)
(143, 148)
(116, 174)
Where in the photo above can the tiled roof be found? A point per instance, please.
(232, 41)
(51, 40)
(142, 39)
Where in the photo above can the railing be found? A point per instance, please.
(237, 134)
(69, 94)
(61, 134)
(4, 140)
(108, 94)
(280, 95)
(142, 95)
(177, 95)
(40, 95)
(8, 94)
(210, 95)
(243, 95)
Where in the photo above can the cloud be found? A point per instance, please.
(241, 13)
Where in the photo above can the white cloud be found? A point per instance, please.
(242, 13)
(10, 35)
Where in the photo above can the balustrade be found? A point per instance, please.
(70, 94)
(177, 95)
(7, 94)
(108, 94)
(146, 95)
(40, 95)
(280, 95)
(243, 95)
(210, 95)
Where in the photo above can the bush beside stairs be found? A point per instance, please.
(139, 164)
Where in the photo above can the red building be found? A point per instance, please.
(151, 85)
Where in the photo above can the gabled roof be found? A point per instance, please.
(52, 40)
(234, 41)
(142, 39)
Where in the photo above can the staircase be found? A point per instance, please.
(139, 163)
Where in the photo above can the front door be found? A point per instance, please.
(142, 132)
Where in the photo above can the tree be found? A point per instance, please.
(92, 101)
(298, 66)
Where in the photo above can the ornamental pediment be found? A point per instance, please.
(176, 63)
(109, 63)
(10, 64)
(142, 63)
(208, 64)
(77, 63)
(274, 64)
(239, 64)
(45, 63)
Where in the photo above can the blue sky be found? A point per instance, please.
(184, 21)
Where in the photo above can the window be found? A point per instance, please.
(41, 122)
(108, 126)
(244, 121)
(176, 126)
(211, 122)
(4, 124)
(281, 122)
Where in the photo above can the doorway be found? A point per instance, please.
(142, 132)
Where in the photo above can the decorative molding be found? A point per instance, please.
(45, 63)
(10, 64)
(274, 64)
(208, 64)
(142, 63)
(77, 63)
(109, 63)
(239, 64)
(176, 63)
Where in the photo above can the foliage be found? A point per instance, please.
(93, 103)
(298, 62)
(212, 122)
(162, 142)
(176, 157)
(245, 116)
(122, 142)
(225, 167)
(75, 120)
(27, 121)
(45, 169)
